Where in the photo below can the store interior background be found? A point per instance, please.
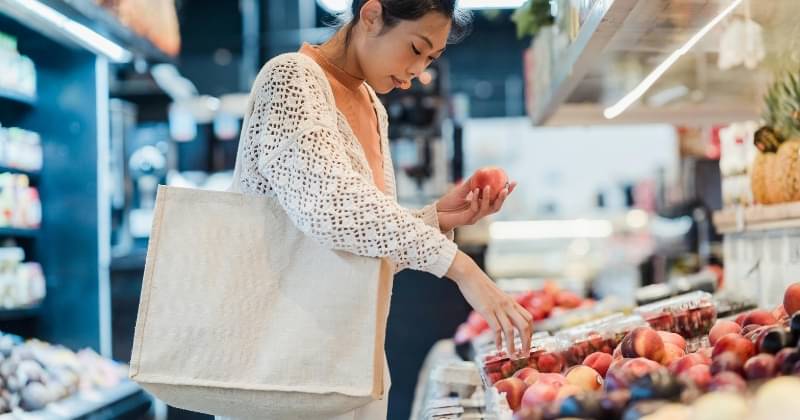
(176, 120)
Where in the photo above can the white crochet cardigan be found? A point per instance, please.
(298, 148)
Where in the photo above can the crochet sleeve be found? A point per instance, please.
(429, 215)
(305, 160)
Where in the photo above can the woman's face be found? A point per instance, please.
(391, 58)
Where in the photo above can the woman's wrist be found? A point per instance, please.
(462, 268)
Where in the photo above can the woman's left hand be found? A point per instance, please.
(463, 206)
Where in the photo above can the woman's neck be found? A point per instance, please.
(338, 53)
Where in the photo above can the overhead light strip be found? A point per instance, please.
(82, 34)
(634, 95)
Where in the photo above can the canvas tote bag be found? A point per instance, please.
(242, 315)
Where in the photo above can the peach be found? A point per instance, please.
(599, 361)
(683, 364)
(495, 377)
(791, 298)
(727, 362)
(539, 394)
(672, 338)
(740, 318)
(527, 375)
(759, 317)
(786, 360)
(643, 342)
(671, 354)
(550, 363)
(556, 380)
(617, 354)
(742, 347)
(568, 390)
(514, 389)
(640, 366)
(700, 375)
(723, 327)
(568, 299)
(585, 377)
(507, 369)
(761, 366)
(780, 313)
(727, 381)
(706, 353)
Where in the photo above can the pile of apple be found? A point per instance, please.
(541, 304)
(654, 365)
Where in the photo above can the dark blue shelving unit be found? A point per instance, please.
(13, 97)
(71, 114)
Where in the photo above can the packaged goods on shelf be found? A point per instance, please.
(20, 206)
(575, 317)
(602, 335)
(21, 284)
(21, 149)
(19, 72)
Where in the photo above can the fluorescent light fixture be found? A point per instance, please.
(490, 4)
(80, 33)
(550, 229)
(334, 6)
(634, 95)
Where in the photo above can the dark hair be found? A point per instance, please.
(396, 10)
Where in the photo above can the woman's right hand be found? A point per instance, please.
(503, 314)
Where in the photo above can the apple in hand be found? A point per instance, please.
(489, 176)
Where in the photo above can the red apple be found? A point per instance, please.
(476, 321)
(490, 176)
(791, 298)
(569, 300)
(599, 361)
(721, 328)
(514, 388)
(542, 301)
(676, 339)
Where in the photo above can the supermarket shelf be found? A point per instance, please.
(8, 95)
(758, 218)
(574, 63)
(33, 175)
(20, 313)
(89, 14)
(9, 232)
(108, 404)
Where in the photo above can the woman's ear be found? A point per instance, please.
(371, 16)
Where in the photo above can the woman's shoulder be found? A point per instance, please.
(295, 67)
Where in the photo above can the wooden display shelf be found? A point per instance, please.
(758, 218)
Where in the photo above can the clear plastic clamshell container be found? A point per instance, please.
(690, 315)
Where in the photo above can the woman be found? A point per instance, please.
(317, 142)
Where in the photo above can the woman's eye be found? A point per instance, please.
(414, 48)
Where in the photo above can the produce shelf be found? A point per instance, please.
(758, 218)
(110, 403)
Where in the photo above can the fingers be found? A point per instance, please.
(486, 200)
(522, 322)
(512, 186)
(498, 203)
(498, 333)
(474, 205)
(508, 331)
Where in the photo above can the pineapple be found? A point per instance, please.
(764, 177)
(775, 175)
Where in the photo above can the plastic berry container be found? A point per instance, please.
(602, 335)
(497, 365)
(690, 315)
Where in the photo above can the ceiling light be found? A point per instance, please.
(79, 33)
(637, 92)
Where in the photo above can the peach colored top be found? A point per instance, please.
(354, 102)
